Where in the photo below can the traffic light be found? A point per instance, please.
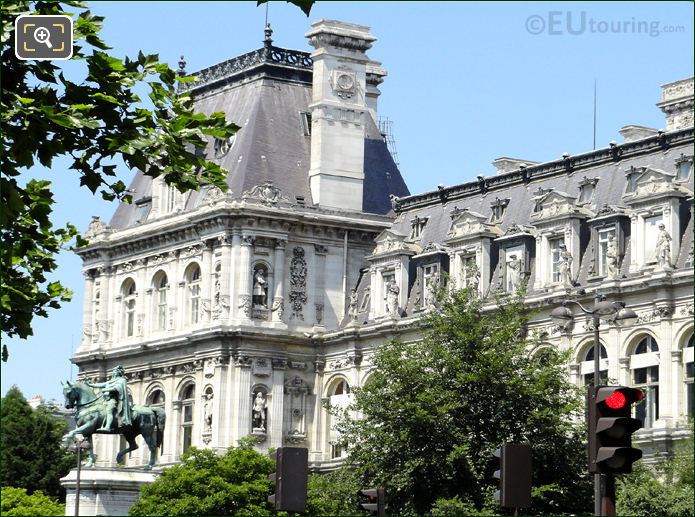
(610, 429)
(290, 479)
(377, 500)
(514, 475)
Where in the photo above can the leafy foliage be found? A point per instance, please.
(304, 5)
(94, 120)
(667, 489)
(208, 484)
(31, 456)
(334, 493)
(17, 502)
(434, 411)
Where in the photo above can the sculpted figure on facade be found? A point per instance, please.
(565, 266)
(353, 307)
(472, 277)
(663, 248)
(260, 289)
(612, 258)
(207, 411)
(513, 273)
(258, 413)
(392, 292)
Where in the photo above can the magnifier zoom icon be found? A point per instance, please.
(43, 35)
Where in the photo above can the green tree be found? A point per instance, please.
(663, 489)
(207, 484)
(31, 455)
(434, 411)
(334, 493)
(17, 502)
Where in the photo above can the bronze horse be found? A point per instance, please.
(90, 414)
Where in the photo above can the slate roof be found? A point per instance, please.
(265, 94)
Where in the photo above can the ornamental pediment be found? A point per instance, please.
(653, 183)
(390, 241)
(266, 193)
(97, 230)
(466, 224)
(556, 204)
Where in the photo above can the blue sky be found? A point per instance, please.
(468, 82)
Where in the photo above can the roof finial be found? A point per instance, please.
(268, 35)
(182, 66)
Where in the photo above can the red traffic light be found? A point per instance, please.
(616, 400)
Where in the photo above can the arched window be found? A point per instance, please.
(339, 398)
(187, 404)
(644, 363)
(161, 286)
(689, 377)
(156, 398)
(587, 366)
(193, 293)
(129, 295)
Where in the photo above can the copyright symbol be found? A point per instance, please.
(535, 24)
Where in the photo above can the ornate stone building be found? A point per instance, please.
(242, 313)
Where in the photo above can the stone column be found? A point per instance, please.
(624, 377)
(243, 301)
(88, 326)
(171, 419)
(275, 425)
(230, 283)
(317, 438)
(279, 297)
(107, 310)
(675, 389)
(208, 276)
(243, 399)
(668, 407)
(175, 428)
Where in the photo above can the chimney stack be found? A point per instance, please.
(677, 104)
(338, 111)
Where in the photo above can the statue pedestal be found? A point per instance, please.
(105, 491)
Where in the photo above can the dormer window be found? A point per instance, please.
(557, 246)
(305, 117)
(498, 207)
(684, 166)
(586, 190)
(417, 224)
(632, 174)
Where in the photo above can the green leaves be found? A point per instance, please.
(304, 5)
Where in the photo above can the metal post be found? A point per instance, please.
(77, 483)
(597, 381)
(608, 499)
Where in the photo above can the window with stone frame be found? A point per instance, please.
(588, 366)
(469, 270)
(430, 283)
(187, 407)
(498, 207)
(387, 278)
(645, 375)
(555, 246)
(142, 211)
(193, 280)
(340, 398)
(129, 294)
(603, 237)
(631, 176)
(651, 236)
(684, 167)
(586, 190)
(161, 288)
(689, 377)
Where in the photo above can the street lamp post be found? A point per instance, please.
(78, 446)
(604, 487)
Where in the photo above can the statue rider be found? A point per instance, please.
(115, 396)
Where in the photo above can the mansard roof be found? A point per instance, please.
(266, 92)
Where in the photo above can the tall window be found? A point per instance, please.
(193, 293)
(604, 236)
(340, 398)
(645, 375)
(161, 285)
(430, 275)
(187, 404)
(689, 377)
(469, 271)
(555, 258)
(588, 366)
(651, 233)
(683, 169)
(129, 293)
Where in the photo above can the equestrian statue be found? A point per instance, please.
(112, 412)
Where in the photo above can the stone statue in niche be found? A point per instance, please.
(663, 248)
(353, 307)
(259, 412)
(513, 273)
(565, 266)
(612, 258)
(392, 293)
(260, 289)
(472, 277)
(207, 411)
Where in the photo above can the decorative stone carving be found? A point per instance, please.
(97, 229)
(298, 275)
(340, 363)
(663, 248)
(392, 294)
(514, 272)
(192, 251)
(320, 249)
(353, 306)
(279, 307)
(259, 412)
(260, 288)
(207, 412)
(209, 368)
(389, 240)
(296, 390)
(245, 304)
(266, 193)
(261, 367)
(612, 258)
(319, 365)
(297, 365)
(318, 308)
(688, 309)
(565, 267)
(468, 224)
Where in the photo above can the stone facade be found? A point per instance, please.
(243, 313)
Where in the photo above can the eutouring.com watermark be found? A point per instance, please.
(577, 23)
